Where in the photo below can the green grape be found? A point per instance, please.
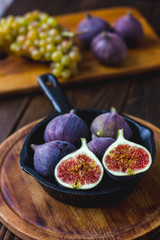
(31, 49)
(45, 26)
(42, 35)
(21, 39)
(43, 17)
(49, 40)
(56, 69)
(14, 47)
(2, 21)
(28, 43)
(59, 48)
(36, 42)
(56, 72)
(66, 44)
(36, 55)
(52, 32)
(42, 43)
(47, 56)
(75, 56)
(33, 25)
(66, 73)
(32, 35)
(58, 39)
(42, 50)
(22, 30)
(20, 21)
(56, 56)
(65, 60)
(52, 21)
(50, 48)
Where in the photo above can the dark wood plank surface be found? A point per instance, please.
(136, 95)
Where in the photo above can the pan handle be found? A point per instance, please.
(54, 93)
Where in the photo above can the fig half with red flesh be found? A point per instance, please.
(80, 169)
(125, 160)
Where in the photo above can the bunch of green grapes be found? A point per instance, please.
(38, 36)
(11, 27)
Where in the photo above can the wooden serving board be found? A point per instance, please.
(29, 212)
(19, 75)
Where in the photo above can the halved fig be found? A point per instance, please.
(80, 169)
(125, 160)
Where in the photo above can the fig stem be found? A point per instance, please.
(73, 111)
(120, 133)
(88, 15)
(129, 12)
(98, 134)
(84, 142)
(105, 35)
(33, 146)
(113, 110)
(72, 34)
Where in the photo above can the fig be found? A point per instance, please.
(66, 127)
(107, 125)
(47, 155)
(80, 169)
(109, 48)
(91, 25)
(129, 28)
(99, 145)
(125, 160)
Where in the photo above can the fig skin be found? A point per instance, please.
(109, 48)
(129, 28)
(107, 125)
(66, 127)
(92, 25)
(47, 155)
(99, 145)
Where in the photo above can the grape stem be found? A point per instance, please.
(71, 34)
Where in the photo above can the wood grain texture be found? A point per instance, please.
(21, 74)
(8, 119)
(28, 211)
(143, 97)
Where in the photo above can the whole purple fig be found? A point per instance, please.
(129, 28)
(47, 155)
(107, 125)
(67, 127)
(99, 145)
(91, 25)
(109, 48)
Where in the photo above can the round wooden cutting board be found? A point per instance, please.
(28, 211)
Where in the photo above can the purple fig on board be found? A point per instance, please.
(91, 25)
(129, 28)
(109, 48)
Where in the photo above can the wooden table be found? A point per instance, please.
(138, 95)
